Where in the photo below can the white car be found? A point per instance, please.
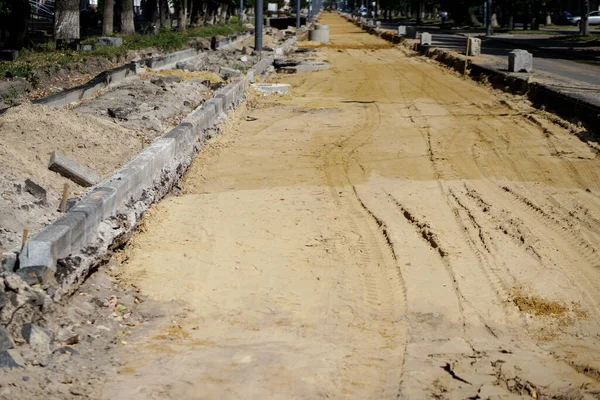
(593, 18)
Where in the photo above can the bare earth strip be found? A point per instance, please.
(390, 230)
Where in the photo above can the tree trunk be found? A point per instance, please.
(66, 23)
(165, 14)
(107, 17)
(584, 26)
(127, 27)
(180, 11)
(16, 24)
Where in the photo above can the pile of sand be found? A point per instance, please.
(29, 134)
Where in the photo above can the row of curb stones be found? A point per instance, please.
(53, 263)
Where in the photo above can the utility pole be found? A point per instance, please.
(258, 27)
(298, 14)
(241, 11)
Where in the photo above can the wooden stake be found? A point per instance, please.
(24, 239)
(467, 54)
(65, 194)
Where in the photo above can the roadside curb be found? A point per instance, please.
(118, 74)
(55, 261)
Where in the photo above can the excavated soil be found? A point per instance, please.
(387, 230)
(29, 135)
(366, 237)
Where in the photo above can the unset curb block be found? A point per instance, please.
(87, 90)
(171, 58)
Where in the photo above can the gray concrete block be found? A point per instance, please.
(227, 73)
(72, 170)
(520, 60)
(53, 242)
(110, 41)
(307, 66)
(474, 47)
(11, 359)
(321, 36)
(402, 30)
(411, 32)
(268, 88)
(184, 137)
(171, 58)
(425, 39)
(76, 222)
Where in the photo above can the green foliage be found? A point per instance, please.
(45, 58)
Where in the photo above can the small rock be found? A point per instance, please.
(38, 337)
(11, 359)
(65, 350)
(119, 112)
(35, 190)
(227, 73)
(9, 261)
(244, 59)
(6, 341)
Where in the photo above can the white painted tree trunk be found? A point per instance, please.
(66, 20)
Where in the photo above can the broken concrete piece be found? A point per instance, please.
(110, 41)
(6, 341)
(68, 168)
(520, 60)
(11, 359)
(402, 30)
(227, 73)
(35, 190)
(474, 47)
(425, 39)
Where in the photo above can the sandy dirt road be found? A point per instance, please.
(389, 230)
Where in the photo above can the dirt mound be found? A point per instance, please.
(29, 134)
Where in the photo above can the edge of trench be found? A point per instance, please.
(53, 263)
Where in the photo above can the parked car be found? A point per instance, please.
(593, 19)
(566, 18)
